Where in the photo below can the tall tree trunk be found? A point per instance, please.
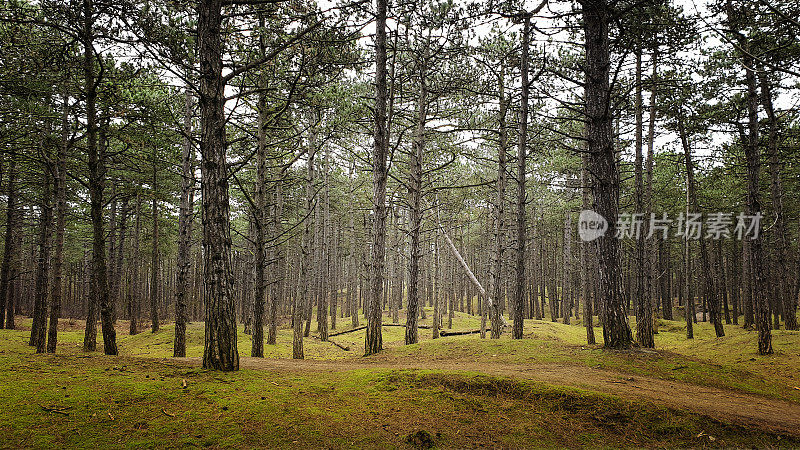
(278, 253)
(415, 191)
(585, 257)
(220, 351)
(154, 282)
(373, 341)
(38, 330)
(260, 216)
(519, 284)
(61, 218)
(651, 269)
(784, 290)
(324, 253)
(752, 155)
(644, 309)
(97, 173)
(693, 207)
(722, 285)
(307, 257)
(135, 290)
(605, 185)
(185, 214)
(736, 284)
(496, 285)
(759, 300)
(9, 270)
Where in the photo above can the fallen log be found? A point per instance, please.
(445, 333)
(424, 327)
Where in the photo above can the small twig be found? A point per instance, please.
(166, 413)
(53, 410)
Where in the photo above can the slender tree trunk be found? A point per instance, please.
(496, 285)
(97, 173)
(585, 256)
(415, 191)
(644, 309)
(61, 217)
(278, 252)
(154, 282)
(693, 207)
(722, 281)
(519, 285)
(324, 254)
(260, 216)
(373, 342)
(306, 262)
(760, 302)
(220, 350)
(784, 290)
(135, 290)
(38, 330)
(9, 270)
(185, 214)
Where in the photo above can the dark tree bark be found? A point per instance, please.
(522, 144)
(759, 300)
(134, 291)
(9, 270)
(415, 202)
(752, 155)
(272, 332)
(651, 279)
(97, 173)
(306, 261)
(496, 285)
(154, 282)
(784, 290)
(184, 231)
(644, 308)
(39, 327)
(260, 217)
(693, 207)
(373, 341)
(585, 256)
(61, 224)
(736, 283)
(603, 162)
(220, 350)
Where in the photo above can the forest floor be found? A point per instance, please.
(548, 389)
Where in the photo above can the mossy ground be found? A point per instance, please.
(74, 399)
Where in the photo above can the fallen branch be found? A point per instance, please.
(347, 331)
(343, 347)
(445, 333)
(164, 411)
(53, 410)
(424, 327)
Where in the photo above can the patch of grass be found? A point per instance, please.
(730, 362)
(116, 402)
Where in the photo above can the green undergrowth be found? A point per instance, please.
(95, 401)
(730, 362)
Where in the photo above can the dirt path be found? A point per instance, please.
(724, 405)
